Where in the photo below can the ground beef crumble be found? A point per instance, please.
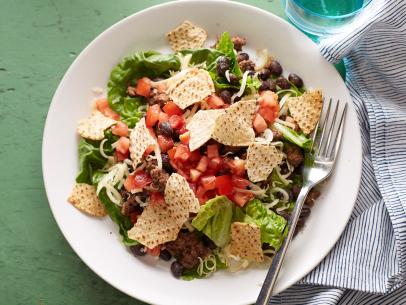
(187, 248)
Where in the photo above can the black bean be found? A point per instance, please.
(264, 74)
(225, 96)
(282, 82)
(237, 98)
(242, 56)
(223, 64)
(176, 269)
(234, 79)
(165, 255)
(268, 85)
(138, 250)
(166, 165)
(296, 80)
(295, 191)
(165, 129)
(275, 67)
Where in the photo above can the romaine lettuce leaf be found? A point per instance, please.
(273, 227)
(90, 160)
(214, 220)
(150, 64)
(122, 221)
(209, 56)
(226, 46)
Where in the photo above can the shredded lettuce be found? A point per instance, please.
(214, 220)
(294, 137)
(273, 227)
(150, 64)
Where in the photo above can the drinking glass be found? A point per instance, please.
(323, 17)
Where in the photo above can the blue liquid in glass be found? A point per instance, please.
(331, 7)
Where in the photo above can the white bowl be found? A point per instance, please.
(96, 241)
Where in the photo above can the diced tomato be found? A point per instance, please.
(177, 121)
(172, 109)
(165, 143)
(182, 153)
(268, 106)
(171, 153)
(208, 182)
(121, 157)
(120, 129)
(201, 194)
(183, 172)
(241, 198)
(203, 163)
(193, 187)
(195, 156)
(194, 175)
(138, 180)
(143, 87)
(134, 218)
(240, 182)
(182, 130)
(149, 150)
(215, 163)
(163, 117)
(154, 251)
(224, 185)
(185, 137)
(103, 106)
(123, 145)
(215, 102)
(259, 123)
(212, 151)
(152, 115)
(157, 198)
(237, 166)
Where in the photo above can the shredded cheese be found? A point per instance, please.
(227, 74)
(291, 125)
(158, 156)
(262, 59)
(281, 191)
(242, 88)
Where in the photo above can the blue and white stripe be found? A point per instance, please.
(368, 263)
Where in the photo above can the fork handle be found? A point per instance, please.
(277, 261)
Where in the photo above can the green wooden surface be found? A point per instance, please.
(39, 39)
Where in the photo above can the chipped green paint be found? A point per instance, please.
(39, 40)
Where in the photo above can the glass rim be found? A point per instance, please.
(307, 11)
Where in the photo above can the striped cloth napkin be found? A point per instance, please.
(368, 263)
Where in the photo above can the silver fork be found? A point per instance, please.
(319, 164)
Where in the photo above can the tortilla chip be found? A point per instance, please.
(234, 126)
(155, 226)
(246, 241)
(261, 160)
(190, 87)
(84, 198)
(93, 127)
(186, 36)
(306, 109)
(140, 139)
(180, 198)
(201, 127)
(160, 223)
